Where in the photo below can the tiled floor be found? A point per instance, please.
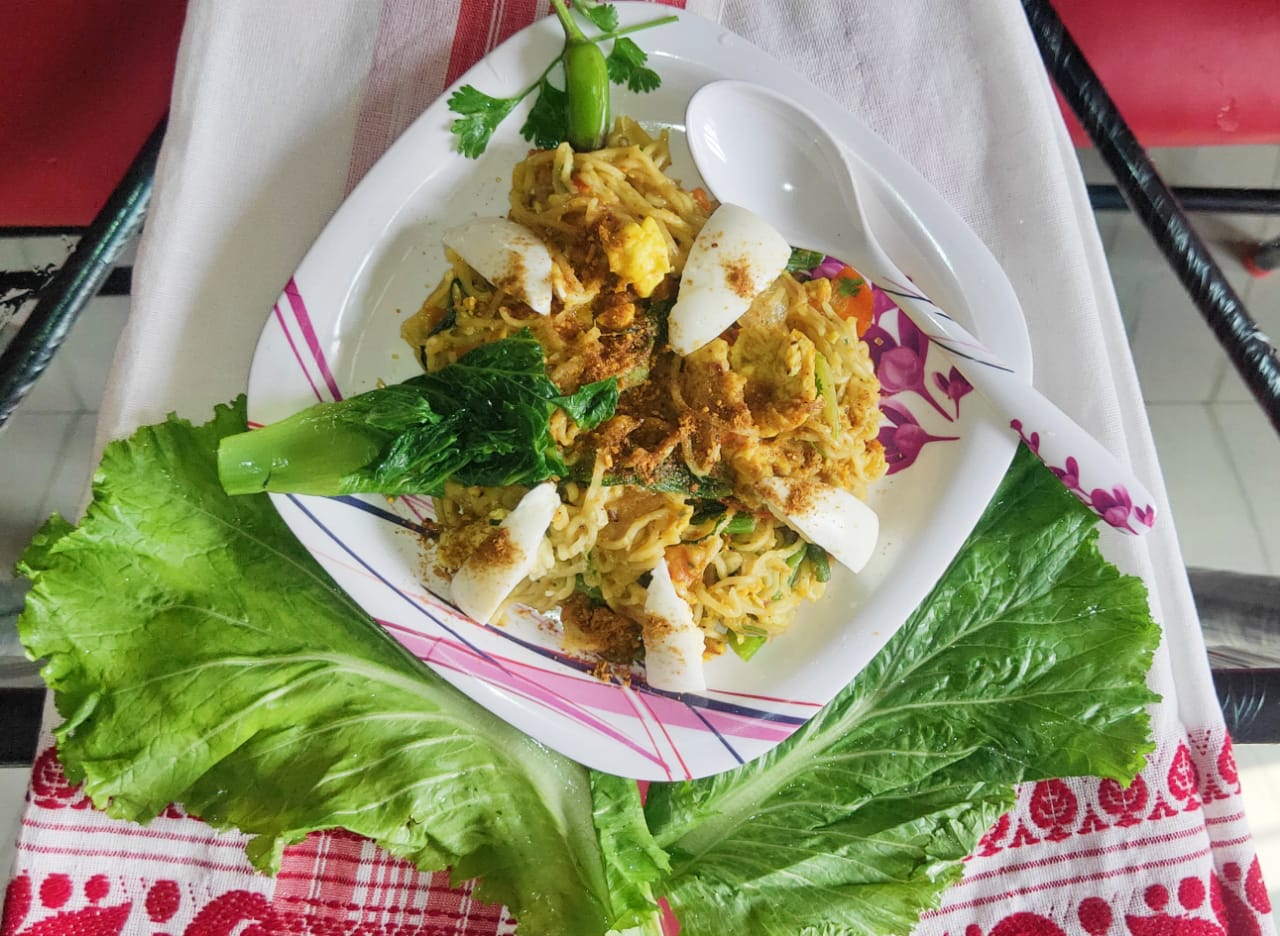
(1205, 424)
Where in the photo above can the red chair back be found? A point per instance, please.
(84, 84)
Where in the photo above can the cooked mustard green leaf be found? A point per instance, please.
(1028, 660)
(485, 420)
(592, 404)
(200, 655)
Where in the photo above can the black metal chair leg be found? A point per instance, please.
(1264, 258)
(1197, 198)
(62, 299)
(1157, 207)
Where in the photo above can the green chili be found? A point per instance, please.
(817, 557)
(586, 81)
(745, 646)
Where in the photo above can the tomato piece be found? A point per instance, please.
(682, 563)
(851, 298)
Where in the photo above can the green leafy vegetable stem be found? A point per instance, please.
(484, 420)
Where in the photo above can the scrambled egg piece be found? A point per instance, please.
(638, 255)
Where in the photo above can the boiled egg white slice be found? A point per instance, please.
(734, 257)
(828, 516)
(506, 556)
(507, 254)
(673, 643)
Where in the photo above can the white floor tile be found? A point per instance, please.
(1251, 166)
(1178, 358)
(1137, 268)
(12, 256)
(69, 485)
(1209, 508)
(91, 346)
(1109, 224)
(1262, 299)
(1093, 168)
(1177, 165)
(1259, 766)
(1254, 449)
(54, 391)
(30, 447)
(40, 252)
(13, 793)
(129, 255)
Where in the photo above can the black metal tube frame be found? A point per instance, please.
(119, 281)
(64, 297)
(1158, 209)
(1197, 198)
(1248, 698)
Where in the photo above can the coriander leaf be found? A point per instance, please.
(632, 860)
(1027, 661)
(592, 403)
(547, 123)
(849, 286)
(602, 15)
(480, 116)
(200, 655)
(626, 66)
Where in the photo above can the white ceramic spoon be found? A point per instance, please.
(757, 149)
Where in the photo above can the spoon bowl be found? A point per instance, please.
(794, 177)
(757, 149)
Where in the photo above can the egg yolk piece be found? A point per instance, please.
(638, 255)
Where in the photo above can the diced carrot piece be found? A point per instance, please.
(851, 298)
(682, 565)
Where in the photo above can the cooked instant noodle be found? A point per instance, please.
(788, 391)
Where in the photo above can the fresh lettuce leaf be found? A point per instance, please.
(484, 420)
(633, 862)
(200, 655)
(1027, 661)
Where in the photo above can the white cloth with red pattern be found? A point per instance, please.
(279, 108)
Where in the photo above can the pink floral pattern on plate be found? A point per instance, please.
(1115, 506)
(900, 353)
(911, 410)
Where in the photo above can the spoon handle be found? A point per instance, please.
(1089, 471)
